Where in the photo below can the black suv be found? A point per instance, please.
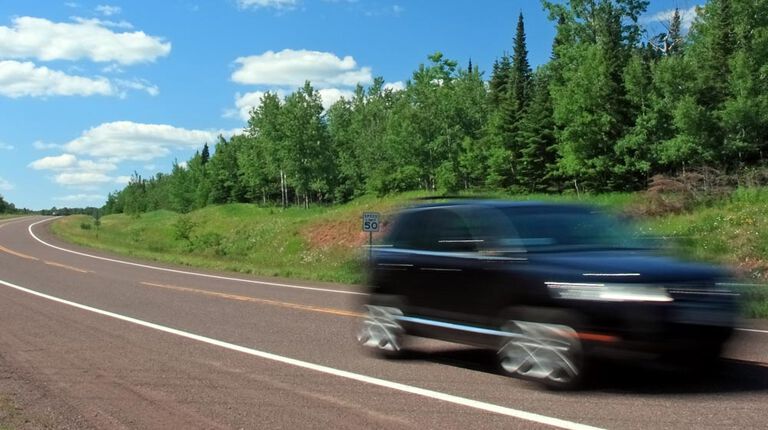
(545, 285)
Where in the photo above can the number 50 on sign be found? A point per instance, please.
(370, 221)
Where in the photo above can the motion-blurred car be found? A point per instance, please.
(548, 286)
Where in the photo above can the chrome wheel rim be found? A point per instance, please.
(380, 329)
(541, 351)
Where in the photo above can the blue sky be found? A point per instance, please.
(91, 91)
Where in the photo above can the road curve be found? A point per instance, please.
(93, 340)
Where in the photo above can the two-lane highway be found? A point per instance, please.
(95, 340)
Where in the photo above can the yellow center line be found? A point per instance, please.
(18, 254)
(64, 266)
(257, 300)
(29, 257)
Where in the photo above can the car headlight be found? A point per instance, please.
(607, 292)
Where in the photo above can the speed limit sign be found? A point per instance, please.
(370, 221)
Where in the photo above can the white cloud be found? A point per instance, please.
(73, 172)
(5, 185)
(112, 68)
(6, 146)
(293, 67)
(103, 23)
(274, 4)
(31, 37)
(80, 198)
(394, 86)
(245, 102)
(58, 162)
(108, 10)
(126, 140)
(19, 79)
(25, 79)
(81, 178)
(122, 180)
(39, 144)
(330, 96)
(687, 16)
(140, 85)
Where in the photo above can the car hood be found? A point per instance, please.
(624, 266)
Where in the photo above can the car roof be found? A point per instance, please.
(497, 203)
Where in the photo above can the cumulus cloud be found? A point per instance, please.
(394, 86)
(39, 144)
(80, 198)
(126, 140)
(330, 96)
(81, 178)
(293, 67)
(122, 180)
(271, 4)
(244, 103)
(108, 10)
(687, 16)
(25, 79)
(30, 37)
(139, 85)
(5, 185)
(22, 79)
(103, 23)
(62, 161)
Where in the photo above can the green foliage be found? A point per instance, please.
(6, 207)
(609, 111)
(182, 228)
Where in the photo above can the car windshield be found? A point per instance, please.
(547, 228)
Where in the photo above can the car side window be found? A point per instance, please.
(449, 232)
(433, 229)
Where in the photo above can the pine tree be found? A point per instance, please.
(675, 36)
(205, 155)
(514, 105)
(499, 84)
(537, 137)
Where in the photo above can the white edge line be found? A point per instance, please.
(204, 275)
(752, 330)
(476, 404)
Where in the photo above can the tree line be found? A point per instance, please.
(6, 207)
(612, 107)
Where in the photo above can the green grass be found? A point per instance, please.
(10, 417)
(261, 240)
(325, 243)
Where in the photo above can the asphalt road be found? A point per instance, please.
(92, 340)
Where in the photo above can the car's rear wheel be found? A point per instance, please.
(546, 352)
(381, 332)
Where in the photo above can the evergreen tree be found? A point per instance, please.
(499, 84)
(537, 138)
(205, 155)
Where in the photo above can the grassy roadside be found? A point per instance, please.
(320, 243)
(325, 243)
(10, 416)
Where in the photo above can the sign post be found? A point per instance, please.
(370, 224)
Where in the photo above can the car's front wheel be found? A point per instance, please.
(381, 332)
(546, 352)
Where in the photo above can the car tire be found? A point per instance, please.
(381, 332)
(542, 345)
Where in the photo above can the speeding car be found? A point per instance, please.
(547, 286)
